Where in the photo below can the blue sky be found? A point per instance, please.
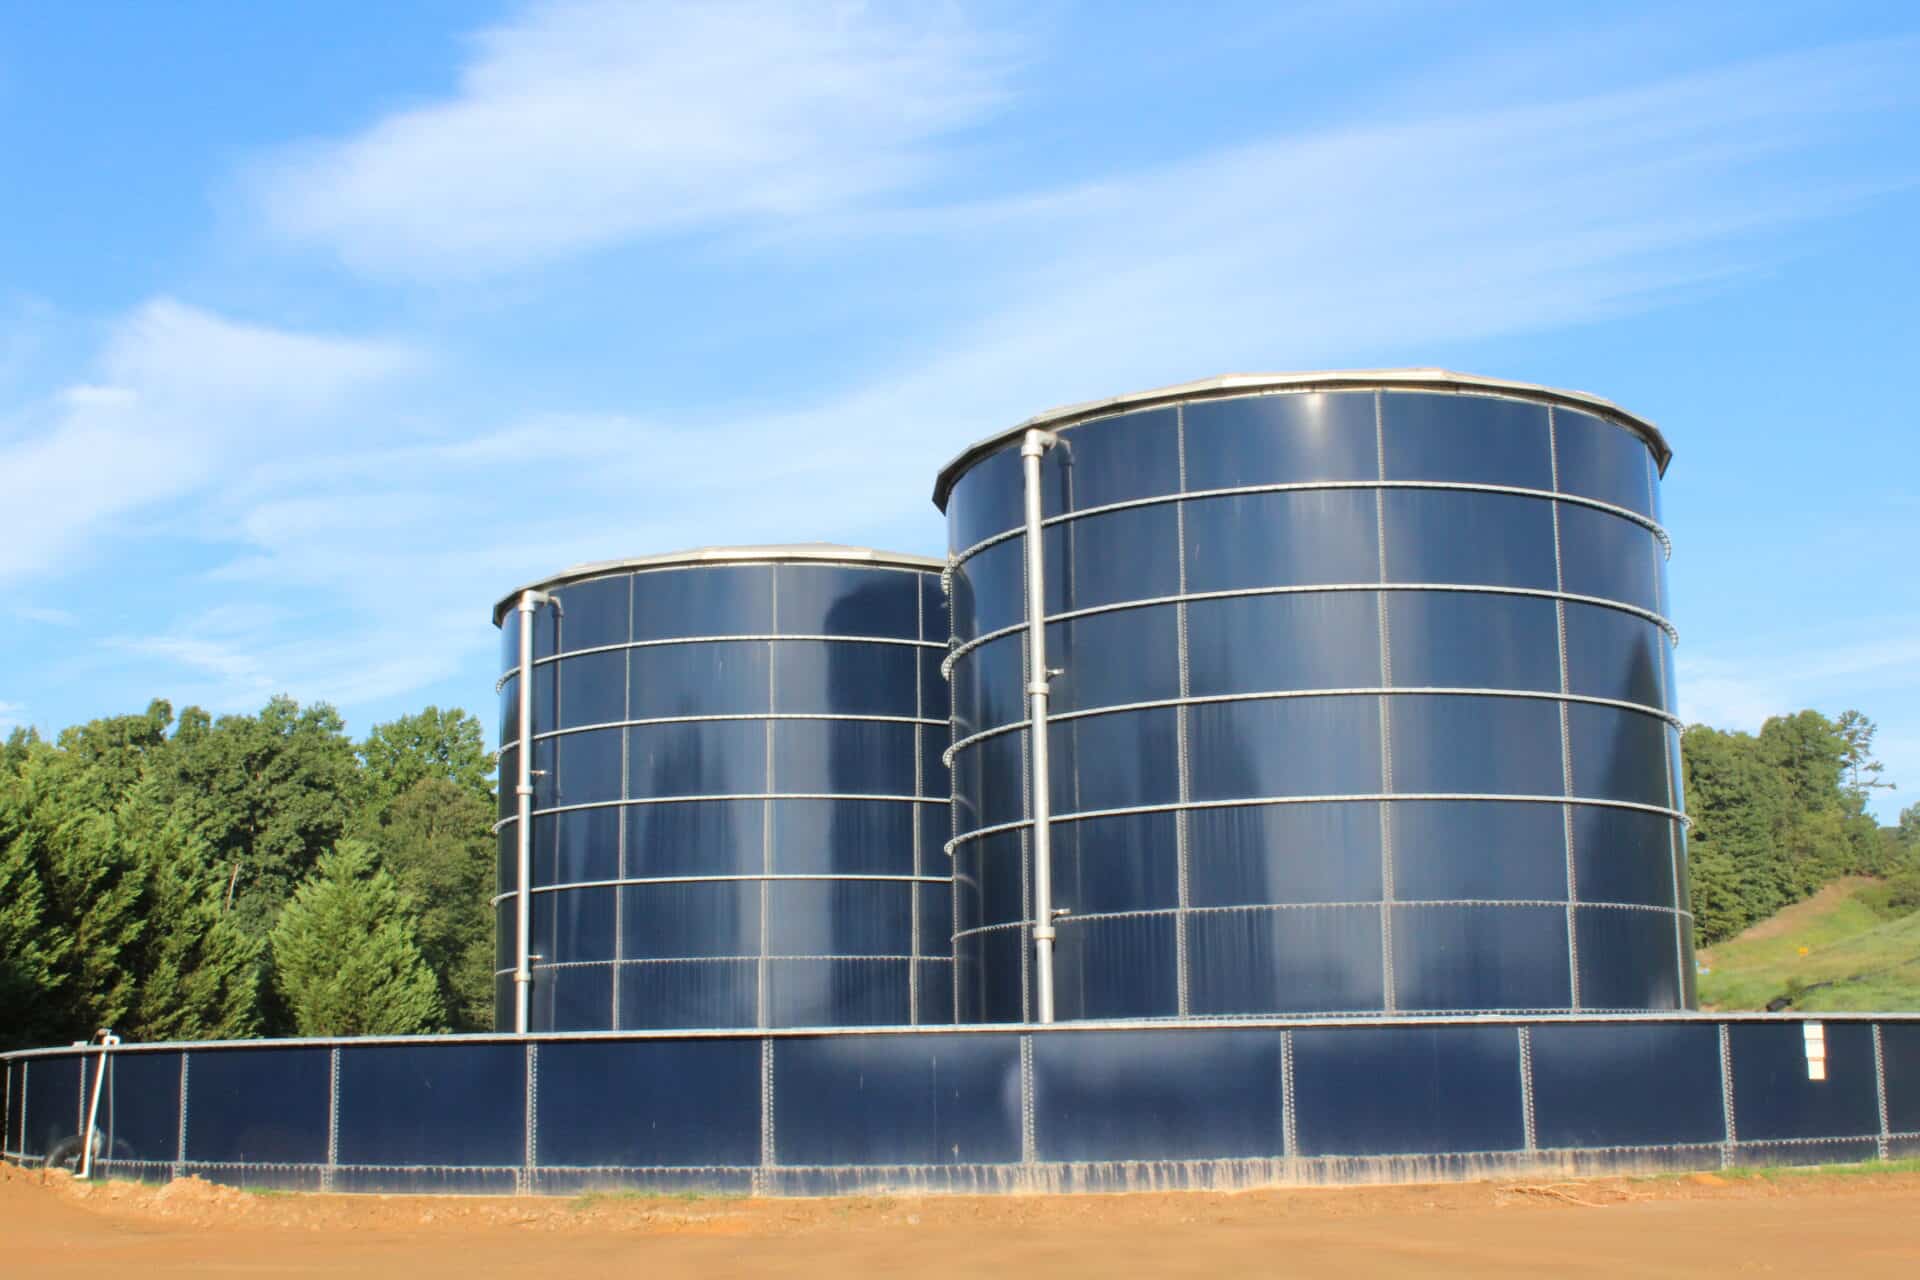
(323, 326)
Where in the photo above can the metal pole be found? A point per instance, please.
(107, 1041)
(1032, 447)
(523, 835)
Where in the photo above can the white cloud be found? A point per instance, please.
(1781, 674)
(578, 125)
(1770, 679)
(1291, 252)
(179, 396)
(12, 716)
(235, 659)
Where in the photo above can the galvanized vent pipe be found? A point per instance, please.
(523, 834)
(1032, 447)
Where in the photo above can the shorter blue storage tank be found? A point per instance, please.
(738, 800)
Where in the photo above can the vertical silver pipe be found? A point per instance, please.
(107, 1041)
(523, 834)
(1032, 448)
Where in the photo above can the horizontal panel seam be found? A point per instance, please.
(1275, 695)
(1328, 486)
(1257, 801)
(1237, 593)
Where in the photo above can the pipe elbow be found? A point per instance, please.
(1036, 442)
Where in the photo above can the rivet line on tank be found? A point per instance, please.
(764, 977)
(1289, 1120)
(769, 1151)
(635, 962)
(1566, 734)
(333, 1118)
(723, 795)
(1029, 1151)
(755, 716)
(620, 862)
(1389, 986)
(564, 885)
(1327, 486)
(1402, 904)
(1181, 836)
(1269, 695)
(531, 1151)
(180, 1157)
(1250, 801)
(751, 638)
(1726, 1097)
(1236, 593)
(1880, 1090)
(1317, 486)
(919, 788)
(1524, 1036)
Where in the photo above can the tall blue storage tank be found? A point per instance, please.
(739, 802)
(1364, 704)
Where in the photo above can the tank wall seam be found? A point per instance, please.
(1726, 1097)
(333, 1118)
(1652, 526)
(1880, 1091)
(527, 1179)
(1389, 982)
(1524, 1038)
(180, 1152)
(1182, 827)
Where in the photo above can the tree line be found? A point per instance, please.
(203, 878)
(1779, 813)
(199, 878)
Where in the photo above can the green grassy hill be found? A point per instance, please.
(1833, 952)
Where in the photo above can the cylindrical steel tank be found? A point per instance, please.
(1364, 704)
(739, 801)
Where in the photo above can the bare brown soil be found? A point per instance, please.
(1854, 1225)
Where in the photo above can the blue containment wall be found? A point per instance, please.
(739, 803)
(1365, 703)
(1061, 1108)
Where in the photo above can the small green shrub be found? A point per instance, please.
(1896, 896)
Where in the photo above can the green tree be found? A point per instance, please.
(108, 757)
(13, 752)
(1779, 814)
(1863, 772)
(94, 887)
(436, 840)
(199, 974)
(268, 794)
(1738, 804)
(345, 956)
(448, 745)
(32, 953)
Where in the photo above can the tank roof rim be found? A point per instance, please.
(1413, 378)
(692, 557)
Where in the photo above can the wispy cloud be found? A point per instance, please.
(1739, 691)
(12, 716)
(579, 125)
(178, 396)
(235, 661)
(1828, 671)
(44, 616)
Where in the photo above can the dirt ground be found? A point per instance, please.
(1802, 1224)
